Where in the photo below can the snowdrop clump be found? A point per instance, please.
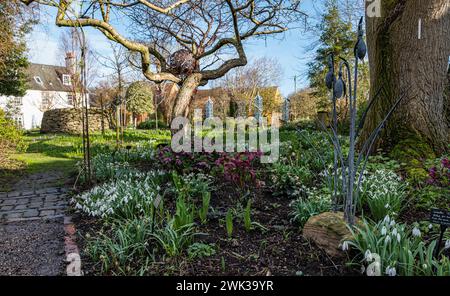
(128, 197)
(400, 249)
(383, 191)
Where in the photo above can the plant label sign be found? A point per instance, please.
(440, 217)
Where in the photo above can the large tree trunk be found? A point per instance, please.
(183, 99)
(404, 64)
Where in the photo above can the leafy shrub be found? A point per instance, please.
(399, 249)
(317, 202)
(151, 124)
(11, 137)
(125, 198)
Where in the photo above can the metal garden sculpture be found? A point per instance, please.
(353, 165)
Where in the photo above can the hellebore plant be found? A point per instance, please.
(351, 178)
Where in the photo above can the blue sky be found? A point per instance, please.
(291, 49)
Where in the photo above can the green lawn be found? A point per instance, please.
(61, 152)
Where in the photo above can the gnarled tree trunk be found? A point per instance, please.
(183, 99)
(404, 64)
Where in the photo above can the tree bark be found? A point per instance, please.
(402, 63)
(184, 97)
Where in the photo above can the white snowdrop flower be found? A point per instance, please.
(387, 239)
(383, 230)
(447, 244)
(387, 206)
(430, 226)
(387, 219)
(416, 232)
(390, 271)
(345, 246)
(399, 238)
(392, 222)
(394, 232)
(368, 256)
(425, 266)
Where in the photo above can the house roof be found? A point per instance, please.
(51, 77)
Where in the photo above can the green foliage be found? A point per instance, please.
(14, 25)
(383, 192)
(203, 211)
(200, 250)
(123, 250)
(184, 214)
(400, 249)
(11, 137)
(151, 124)
(338, 37)
(139, 98)
(229, 223)
(412, 152)
(191, 185)
(247, 216)
(304, 208)
(289, 179)
(174, 240)
(430, 197)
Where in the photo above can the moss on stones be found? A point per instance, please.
(412, 152)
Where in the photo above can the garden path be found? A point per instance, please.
(31, 225)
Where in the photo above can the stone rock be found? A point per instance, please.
(69, 121)
(327, 230)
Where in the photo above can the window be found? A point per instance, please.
(71, 100)
(16, 101)
(66, 79)
(18, 120)
(38, 79)
(46, 101)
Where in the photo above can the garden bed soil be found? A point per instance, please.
(279, 250)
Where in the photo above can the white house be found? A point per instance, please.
(48, 87)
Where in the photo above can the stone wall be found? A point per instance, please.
(70, 121)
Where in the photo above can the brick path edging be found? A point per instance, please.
(71, 249)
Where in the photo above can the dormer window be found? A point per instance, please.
(38, 80)
(66, 79)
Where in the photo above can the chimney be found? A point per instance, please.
(71, 64)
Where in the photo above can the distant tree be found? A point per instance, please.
(139, 97)
(103, 96)
(244, 83)
(303, 105)
(338, 37)
(14, 25)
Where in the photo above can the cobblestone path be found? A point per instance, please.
(32, 226)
